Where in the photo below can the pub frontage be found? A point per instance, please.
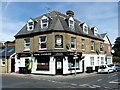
(52, 63)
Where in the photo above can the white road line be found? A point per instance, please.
(73, 84)
(99, 80)
(112, 75)
(83, 85)
(115, 81)
(96, 86)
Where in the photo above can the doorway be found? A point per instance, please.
(59, 66)
(83, 66)
(13, 65)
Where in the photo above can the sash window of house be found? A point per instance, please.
(91, 61)
(73, 42)
(71, 23)
(83, 44)
(27, 44)
(102, 60)
(101, 46)
(42, 42)
(3, 62)
(44, 22)
(92, 46)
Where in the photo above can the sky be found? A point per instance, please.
(103, 15)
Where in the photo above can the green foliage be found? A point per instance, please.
(116, 59)
(116, 48)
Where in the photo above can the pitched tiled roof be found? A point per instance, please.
(9, 50)
(57, 22)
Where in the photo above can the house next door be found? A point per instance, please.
(59, 66)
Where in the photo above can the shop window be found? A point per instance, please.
(83, 44)
(44, 22)
(3, 62)
(92, 46)
(43, 63)
(91, 61)
(101, 46)
(102, 60)
(42, 42)
(58, 41)
(71, 63)
(73, 42)
(27, 44)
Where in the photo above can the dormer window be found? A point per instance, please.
(71, 22)
(95, 31)
(30, 25)
(85, 28)
(44, 22)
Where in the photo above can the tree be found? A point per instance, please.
(116, 48)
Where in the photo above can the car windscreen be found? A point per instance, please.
(102, 67)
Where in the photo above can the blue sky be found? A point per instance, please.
(103, 15)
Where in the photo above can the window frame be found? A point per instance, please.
(3, 60)
(43, 42)
(71, 25)
(101, 47)
(102, 60)
(43, 23)
(92, 61)
(85, 28)
(83, 44)
(30, 27)
(92, 44)
(25, 44)
(74, 43)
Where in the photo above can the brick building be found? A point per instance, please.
(52, 41)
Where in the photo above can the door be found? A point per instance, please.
(13, 65)
(59, 66)
(83, 66)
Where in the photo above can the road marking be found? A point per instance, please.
(112, 75)
(84, 85)
(96, 86)
(73, 84)
(99, 80)
(115, 81)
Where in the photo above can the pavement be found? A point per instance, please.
(53, 77)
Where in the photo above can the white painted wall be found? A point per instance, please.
(97, 61)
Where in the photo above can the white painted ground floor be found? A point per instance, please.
(60, 63)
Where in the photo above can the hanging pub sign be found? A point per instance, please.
(58, 41)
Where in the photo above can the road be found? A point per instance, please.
(98, 81)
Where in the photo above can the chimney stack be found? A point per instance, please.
(70, 13)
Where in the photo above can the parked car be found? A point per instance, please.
(105, 69)
(115, 67)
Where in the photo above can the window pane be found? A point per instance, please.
(92, 45)
(73, 42)
(43, 42)
(44, 21)
(30, 23)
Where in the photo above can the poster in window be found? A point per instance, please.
(59, 65)
(58, 41)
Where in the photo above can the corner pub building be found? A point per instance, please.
(52, 41)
